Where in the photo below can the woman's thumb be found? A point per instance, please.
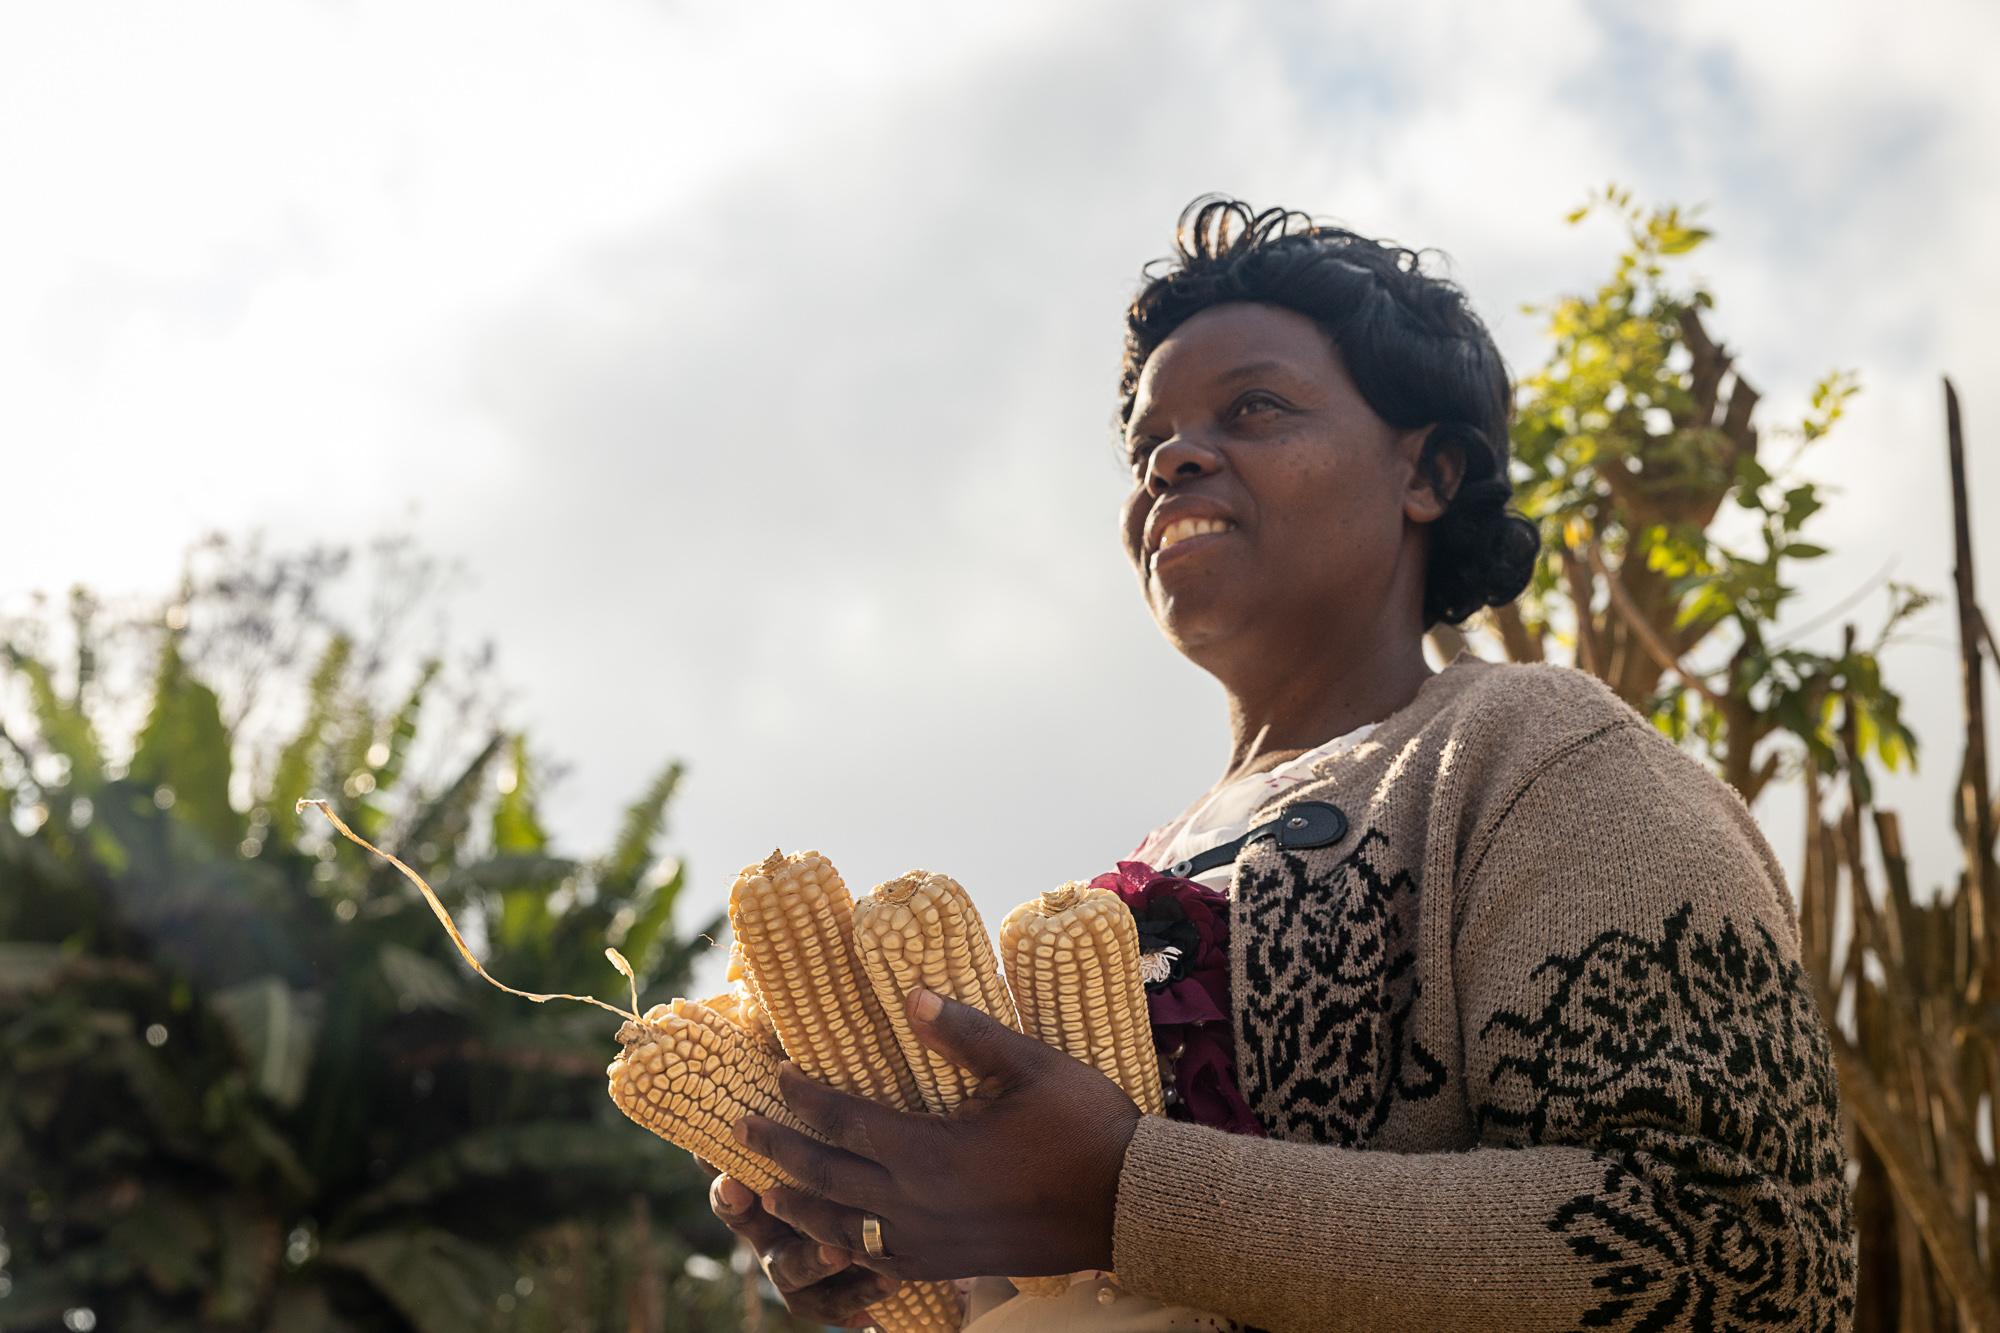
(968, 1038)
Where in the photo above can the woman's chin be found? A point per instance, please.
(1198, 625)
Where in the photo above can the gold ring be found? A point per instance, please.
(871, 1236)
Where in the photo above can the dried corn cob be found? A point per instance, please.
(920, 1307)
(743, 1005)
(689, 1074)
(793, 921)
(1072, 959)
(922, 930)
(742, 1010)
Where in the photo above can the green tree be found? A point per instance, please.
(1630, 442)
(244, 1082)
(1671, 541)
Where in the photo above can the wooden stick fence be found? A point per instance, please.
(1912, 994)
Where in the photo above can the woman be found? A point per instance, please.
(1528, 1040)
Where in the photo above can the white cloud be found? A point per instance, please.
(758, 360)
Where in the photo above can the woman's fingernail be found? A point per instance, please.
(925, 1005)
(735, 1195)
(741, 1129)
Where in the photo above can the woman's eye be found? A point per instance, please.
(1252, 403)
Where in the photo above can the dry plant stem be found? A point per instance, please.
(1874, 928)
(451, 927)
(1981, 874)
(1925, 1216)
(1917, 1193)
(1933, 1217)
(1649, 639)
(1943, 1234)
(1883, 931)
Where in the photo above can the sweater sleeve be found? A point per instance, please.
(1655, 1111)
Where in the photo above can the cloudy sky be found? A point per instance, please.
(755, 360)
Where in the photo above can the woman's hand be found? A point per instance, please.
(1022, 1179)
(818, 1282)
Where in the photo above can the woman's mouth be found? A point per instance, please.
(1187, 529)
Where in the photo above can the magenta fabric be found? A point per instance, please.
(1190, 1012)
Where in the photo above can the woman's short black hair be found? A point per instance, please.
(1417, 352)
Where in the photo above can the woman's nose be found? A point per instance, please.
(1178, 460)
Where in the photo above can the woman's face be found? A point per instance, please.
(1270, 507)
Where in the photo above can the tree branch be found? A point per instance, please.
(1450, 641)
(1711, 363)
(1589, 651)
(1523, 644)
(1642, 630)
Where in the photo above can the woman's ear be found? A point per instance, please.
(1437, 466)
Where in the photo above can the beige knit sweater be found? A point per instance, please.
(1531, 1041)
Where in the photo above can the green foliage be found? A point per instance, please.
(183, 750)
(1628, 443)
(301, 758)
(66, 730)
(244, 1081)
(515, 828)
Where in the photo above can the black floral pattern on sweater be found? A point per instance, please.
(1331, 986)
(1697, 1069)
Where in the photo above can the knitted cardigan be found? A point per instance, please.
(1531, 1041)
